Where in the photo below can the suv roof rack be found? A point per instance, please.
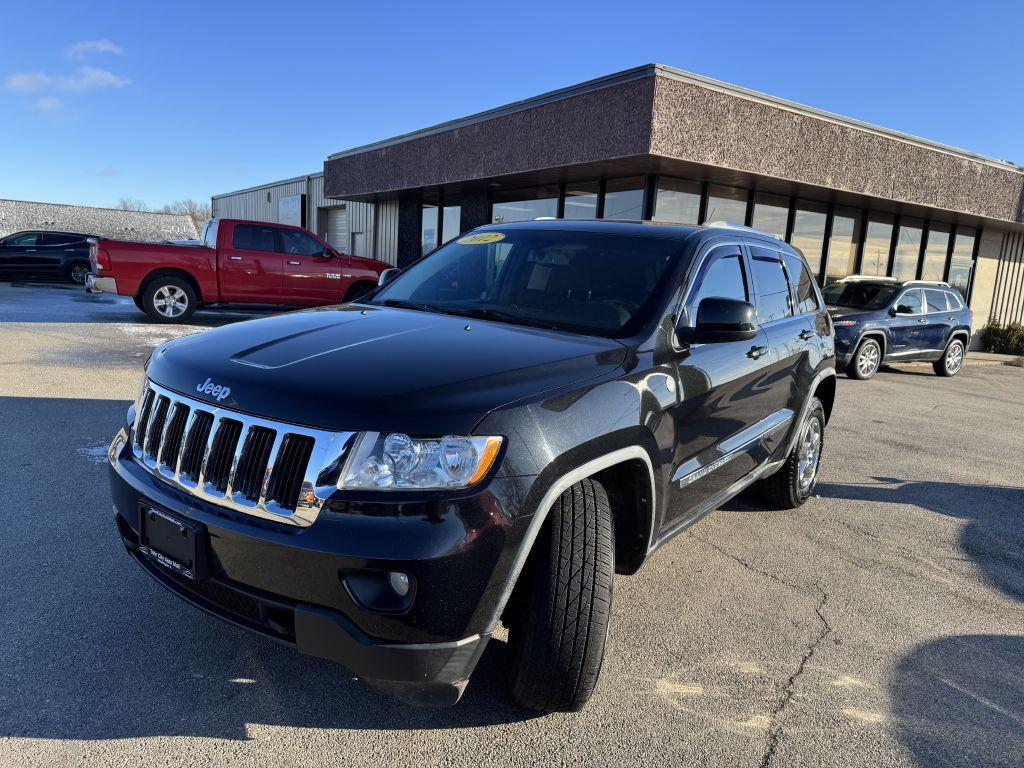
(872, 277)
(941, 283)
(741, 228)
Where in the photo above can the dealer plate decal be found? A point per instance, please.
(481, 238)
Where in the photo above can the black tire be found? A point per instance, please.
(159, 289)
(357, 291)
(859, 367)
(138, 303)
(76, 271)
(952, 359)
(557, 634)
(786, 488)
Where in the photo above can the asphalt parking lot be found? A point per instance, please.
(882, 624)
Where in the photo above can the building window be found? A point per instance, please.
(581, 200)
(678, 201)
(962, 264)
(935, 252)
(727, 204)
(908, 249)
(524, 204)
(624, 198)
(809, 231)
(428, 227)
(877, 242)
(771, 213)
(842, 244)
(451, 222)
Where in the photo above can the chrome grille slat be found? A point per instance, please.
(231, 459)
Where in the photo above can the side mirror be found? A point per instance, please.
(388, 275)
(902, 309)
(720, 320)
(328, 253)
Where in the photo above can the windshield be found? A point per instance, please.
(579, 282)
(860, 295)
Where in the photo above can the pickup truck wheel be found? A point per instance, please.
(76, 271)
(357, 292)
(169, 300)
(865, 361)
(793, 483)
(952, 359)
(558, 633)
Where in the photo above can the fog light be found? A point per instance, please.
(399, 582)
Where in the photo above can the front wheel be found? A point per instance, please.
(169, 300)
(952, 359)
(793, 483)
(865, 361)
(557, 632)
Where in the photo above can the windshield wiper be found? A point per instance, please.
(483, 313)
(403, 304)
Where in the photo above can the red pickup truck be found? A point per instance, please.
(235, 262)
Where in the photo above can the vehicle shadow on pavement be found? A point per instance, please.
(994, 535)
(95, 649)
(959, 700)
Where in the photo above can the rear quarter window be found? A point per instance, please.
(802, 283)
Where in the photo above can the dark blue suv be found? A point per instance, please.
(880, 319)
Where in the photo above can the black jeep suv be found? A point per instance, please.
(487, 438)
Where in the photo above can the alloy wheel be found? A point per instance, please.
(954, 357)
(170, 301)
(867, 360)
(809, 452)
(78, 273)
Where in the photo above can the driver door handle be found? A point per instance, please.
(756, 351)
(235, 258)
(294, 263)
(805, 334)
(922, 320)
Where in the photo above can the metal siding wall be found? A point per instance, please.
(386, 235)
(252, 204)
(1008, 297)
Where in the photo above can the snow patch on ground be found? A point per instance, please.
(97, 455)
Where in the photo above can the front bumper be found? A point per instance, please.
(286, 583)
(94, 284)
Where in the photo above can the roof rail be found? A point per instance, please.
(941, 283)
(741, 228)
(872, 277)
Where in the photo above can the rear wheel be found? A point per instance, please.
(952, 359)
(76, 272)
(794, 482)
(558, 630)
(169, 299)
(865, 361)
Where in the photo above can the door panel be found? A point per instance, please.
(17, 252)
(938, 321)
(311, 278)
(905, 329)
(250, 264)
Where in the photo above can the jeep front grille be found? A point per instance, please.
(264, 468)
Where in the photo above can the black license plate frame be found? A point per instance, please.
(173, 543)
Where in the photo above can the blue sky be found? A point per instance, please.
(162, 101)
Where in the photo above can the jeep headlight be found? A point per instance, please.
(398, 462)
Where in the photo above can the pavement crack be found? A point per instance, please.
(747, 565)
(789, 689)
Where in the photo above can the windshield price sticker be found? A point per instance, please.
(481, 238)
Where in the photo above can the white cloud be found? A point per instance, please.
(48, 104)
(84, 48)
(84, 78)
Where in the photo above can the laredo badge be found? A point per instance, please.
(481, 238)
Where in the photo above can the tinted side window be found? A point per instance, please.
(249, 237)
(26, 239)
(771, 285)
(803, 284)
(722, 276)
(300, 244)
(955, 305)
(935, 300)
(910, 303)
(56, 238)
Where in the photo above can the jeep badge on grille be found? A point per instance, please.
(214, 390)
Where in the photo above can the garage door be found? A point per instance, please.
(336, 227)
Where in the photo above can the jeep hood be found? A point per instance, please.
(364, 367)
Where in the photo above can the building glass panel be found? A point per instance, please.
(581, 200)
(935, 252)
(624, 198)
(842, 244)
(451, 222)
(877, 242)
(908, 249)
(771, 213)
(524, 204)
(678, 201)
(962, 264)
(428, 227)
(727, 204)
(809, 231)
